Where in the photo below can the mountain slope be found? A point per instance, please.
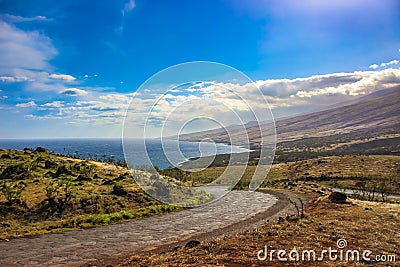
(372, 117)
(379, 111)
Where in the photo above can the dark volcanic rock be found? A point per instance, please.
(338, 198)
(5, 156)
(192, 244)
(119, 191)
(48, 164)
(63, 170)
(13, 170)
(83, 177)
(40, 149)
(121, 177)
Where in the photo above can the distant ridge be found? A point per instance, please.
(371, 117)
(379, 111)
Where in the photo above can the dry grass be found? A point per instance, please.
(338, 166)
(338, 171)
(364, 225)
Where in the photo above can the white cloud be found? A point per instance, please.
(64, 77)
(26, 105)
(91, 109)
(25, 57)
(73, 92)
(54, 104)
(2, 97)
(113, 97)
(393, 62)
(384, 64)
(12, 79)
(347, 84)
(373, 66)
(15, 19)
(128, 7)
(24, 49)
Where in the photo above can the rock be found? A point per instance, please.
(13, 170)
(120, 178)
(48, 164)
(119, 191)
(83, 177)
(5, 156)
(63, 170)
(96, 176)
(40, 149)
(5, 225)
(338, 198)
(192, 244)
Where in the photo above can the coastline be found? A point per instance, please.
(104, 149)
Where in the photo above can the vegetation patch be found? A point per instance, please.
(41, 192)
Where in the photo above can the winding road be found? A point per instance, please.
(82, 247)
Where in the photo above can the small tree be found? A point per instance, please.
(59, 194)
(372, 187)
(299, 209)
(13, 191)
(66, 188)
(362, 187)
(385, 187)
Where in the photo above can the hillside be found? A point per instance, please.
(371, 124)
(41, 192)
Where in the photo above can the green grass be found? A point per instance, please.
(61, 193)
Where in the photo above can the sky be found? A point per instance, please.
(69, 69)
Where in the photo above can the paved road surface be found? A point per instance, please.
(83, 246)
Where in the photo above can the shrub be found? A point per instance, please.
(103, 219)
(127, 215)
(116, 217)
(13, 191)
(59, 194)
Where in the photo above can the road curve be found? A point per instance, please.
(89, 245)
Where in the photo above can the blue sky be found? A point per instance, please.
(69, 68)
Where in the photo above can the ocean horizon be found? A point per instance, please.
(106, 148)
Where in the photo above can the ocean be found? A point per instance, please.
(102, 149)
